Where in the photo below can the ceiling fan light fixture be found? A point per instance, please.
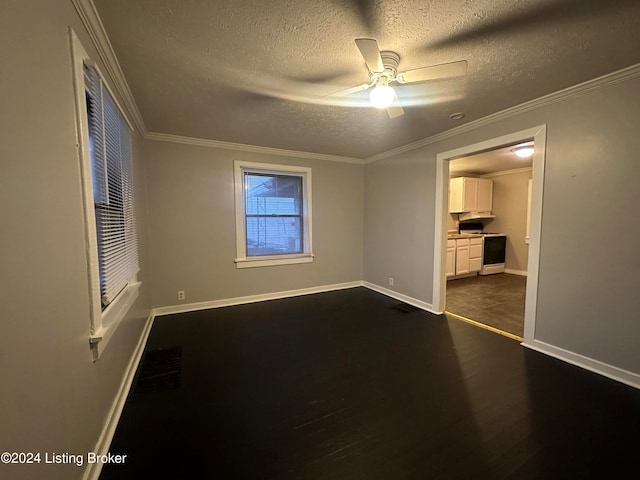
(382, 96)
(523, 152)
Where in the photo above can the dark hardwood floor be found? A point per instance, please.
(345, 385)
(494, 300)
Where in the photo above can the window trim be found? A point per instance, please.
(102, 324)
(244, 261)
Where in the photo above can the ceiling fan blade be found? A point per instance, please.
(454, 69)
(349, 91)
(371, 53)
(395, 109)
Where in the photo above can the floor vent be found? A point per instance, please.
(406, 308)
(160, 371)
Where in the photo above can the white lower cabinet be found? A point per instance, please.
(462, 256)
(475, 254)
(451, 258)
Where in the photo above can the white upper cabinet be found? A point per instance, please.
(485, 195)
(467, 194)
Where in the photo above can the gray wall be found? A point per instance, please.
(510, 209)
(192, 225)
(588, 272)
(54, 398)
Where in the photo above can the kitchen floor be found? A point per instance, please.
(493, 300)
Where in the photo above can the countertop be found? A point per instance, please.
(453, 236)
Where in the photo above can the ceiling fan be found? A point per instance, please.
(383, 70)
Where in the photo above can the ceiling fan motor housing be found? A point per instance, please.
(390, 60)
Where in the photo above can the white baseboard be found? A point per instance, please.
(516, 272)
(227, 302)
(403, 298)
(609, 371)
(92, 472)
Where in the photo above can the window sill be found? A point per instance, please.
(271, 260)
(112, 317)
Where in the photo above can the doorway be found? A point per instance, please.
(490, 289)
(444, 159)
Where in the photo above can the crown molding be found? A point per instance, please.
(507, 172)
(95, 28)
(91, 21)
(203, 142)
(599, 82)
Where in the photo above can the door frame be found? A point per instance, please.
(539, 136)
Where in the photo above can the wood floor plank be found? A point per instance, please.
(343, 385)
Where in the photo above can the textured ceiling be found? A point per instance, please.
(492, 161)
(254, 72)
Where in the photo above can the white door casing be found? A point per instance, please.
(538, 135)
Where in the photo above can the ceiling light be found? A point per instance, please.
(382, 96)
(523, 152)
(456, 116)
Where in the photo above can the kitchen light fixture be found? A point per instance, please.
(382, 94)
(523, 152)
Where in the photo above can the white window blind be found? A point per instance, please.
(110, 151)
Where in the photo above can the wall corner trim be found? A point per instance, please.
(203, 142)
(522, 273)
(623, 376)
(92, 22)
(403, 298)
(603, 81)
(92, 470)
(228, 302)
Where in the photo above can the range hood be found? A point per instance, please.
(463, 217)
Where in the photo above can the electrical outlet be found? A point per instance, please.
(180, 294)
(391, 281)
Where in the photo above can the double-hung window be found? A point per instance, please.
(273, 214)
(112, 182)
(104, 142)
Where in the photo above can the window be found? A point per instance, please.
(273, 214)
(104, 142)
(110, 152)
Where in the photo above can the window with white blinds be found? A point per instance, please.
(273, 214)
(110, 152)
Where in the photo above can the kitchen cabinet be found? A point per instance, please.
(451, 258)
(467, 194)
(484, 195)
(464, 256)
(475, 254)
